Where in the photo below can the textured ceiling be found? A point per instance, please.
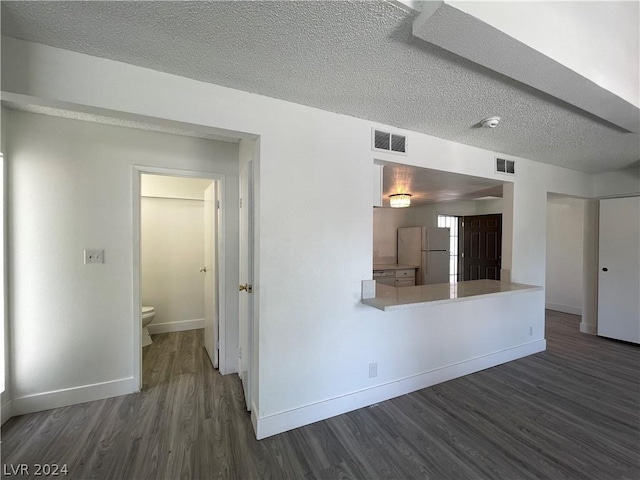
(355, 58)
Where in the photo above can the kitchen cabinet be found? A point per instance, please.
(395, 275)
(406, 277)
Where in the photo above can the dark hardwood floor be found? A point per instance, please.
(571, 412)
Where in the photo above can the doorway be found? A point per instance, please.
(475, 250)
(565, 254)
(178, 223)
(481, 247)
(571, 283)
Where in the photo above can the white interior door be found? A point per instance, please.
(210, 271)
(246, 281)
(619, 275)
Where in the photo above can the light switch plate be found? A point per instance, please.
(368, 289)
(93, 256)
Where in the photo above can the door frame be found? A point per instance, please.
(246, 274)
(137, 172)
(250, 153)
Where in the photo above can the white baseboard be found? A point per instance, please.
(284, 421)
(71, 396)
(179, 326)
(6, 411)
(590, 329)
(558, 307)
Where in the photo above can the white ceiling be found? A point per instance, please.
(428, 186)
(355, 58)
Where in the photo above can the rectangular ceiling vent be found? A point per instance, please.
(505, 166)
(388, 142)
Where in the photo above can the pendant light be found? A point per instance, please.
(400, 200)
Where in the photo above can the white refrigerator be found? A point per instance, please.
(427, 248)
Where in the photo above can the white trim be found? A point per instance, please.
(558, 307)
(6, 411)
(72, 396)
(254, 417)
(298, 417)
(138, 170)
(136, 314)
(178, 326)
(590, 329)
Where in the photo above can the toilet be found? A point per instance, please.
(147, 316)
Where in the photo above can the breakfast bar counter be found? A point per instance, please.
(389, 298)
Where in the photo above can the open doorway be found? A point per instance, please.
(180, 245)
(475, 251)
(571, 284)
(565, 239)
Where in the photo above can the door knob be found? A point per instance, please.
(203, 269)
(246, 287)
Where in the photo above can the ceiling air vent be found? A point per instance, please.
(389, 142)
(505, 166)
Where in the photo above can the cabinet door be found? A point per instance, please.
(406, 273)
(619, 275)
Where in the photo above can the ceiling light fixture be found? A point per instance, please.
(491, 122)
(400, 200)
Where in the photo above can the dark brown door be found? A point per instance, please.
(482, 247)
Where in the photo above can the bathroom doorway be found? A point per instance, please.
(180, 244)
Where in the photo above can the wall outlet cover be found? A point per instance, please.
(93, 256)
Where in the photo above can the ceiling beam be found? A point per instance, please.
(467, 36)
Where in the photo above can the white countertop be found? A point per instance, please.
(390, 298)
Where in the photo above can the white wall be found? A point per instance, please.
(71, 189)
(565, 239)
(316, 339)
(428, 214)
(172, 252)
(620, 182)
(487, 207)
(163, 186)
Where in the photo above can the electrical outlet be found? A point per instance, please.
(368, 289)
(530, 331)
(373, 370)
(93, 256)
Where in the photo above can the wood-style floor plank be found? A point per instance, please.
(572, 412)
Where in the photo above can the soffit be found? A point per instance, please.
(354, 58)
